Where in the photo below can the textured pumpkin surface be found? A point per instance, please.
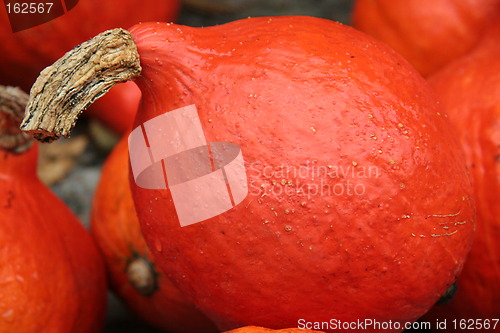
(257, 329)
(52, 276)
(116, 228)
(24, 54)
(314, 106)
(429, 33)
(469, 90)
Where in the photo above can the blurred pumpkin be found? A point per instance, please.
(428, 33)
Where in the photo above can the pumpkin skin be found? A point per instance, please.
(306, 93)
(469, 90)
(52, 276)
(115, 227)
(25, 53)
(428, 33)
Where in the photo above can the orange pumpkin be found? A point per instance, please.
(132, 271)
(469, 90)
(359, 201)
(52, 277)
(428, 33)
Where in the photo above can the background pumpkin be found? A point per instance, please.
(132, 272)
(52, 277)
(469, 91)
(25, 53)
(429, 33)
(354, 104)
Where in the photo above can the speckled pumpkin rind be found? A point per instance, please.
(320, 111)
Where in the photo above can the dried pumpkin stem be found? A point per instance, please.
(12, 104)
(141, 276)
(72, 83)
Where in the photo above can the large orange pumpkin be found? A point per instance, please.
(429, 33)
(359, 202)
(52, 277)
(469, 90)
(131, 268)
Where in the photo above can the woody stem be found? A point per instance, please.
(65, 89)
(12, 104)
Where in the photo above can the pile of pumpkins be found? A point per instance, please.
(369, 162)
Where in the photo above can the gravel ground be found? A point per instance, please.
(77, 187)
